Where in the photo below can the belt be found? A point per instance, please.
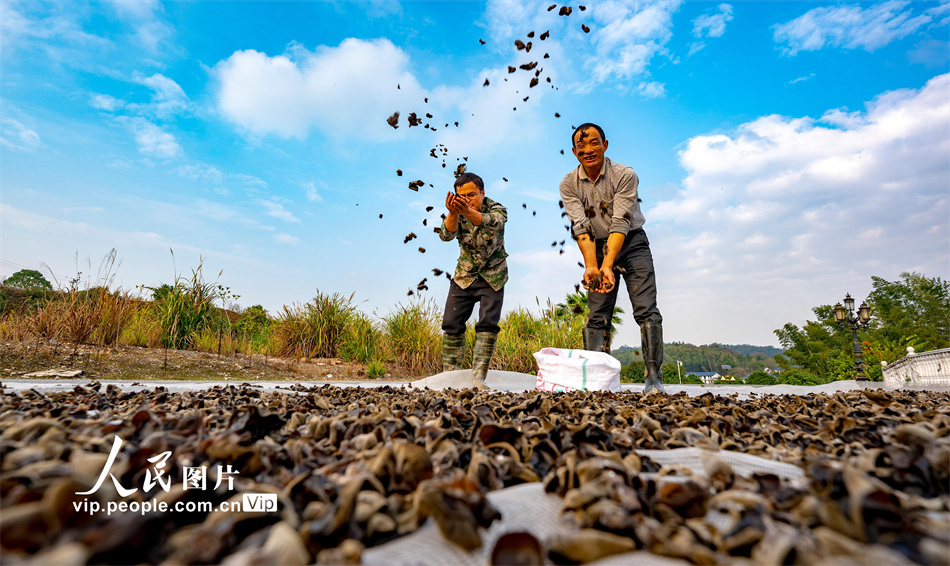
(602, 241)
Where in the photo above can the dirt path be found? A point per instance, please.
(18, 359)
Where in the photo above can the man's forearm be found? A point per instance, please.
(474, 216)
(588, 250)
(452, 222)
(614, 244)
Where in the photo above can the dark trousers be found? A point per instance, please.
(636, 269)
(461, 302)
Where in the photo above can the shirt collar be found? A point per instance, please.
(582, 174)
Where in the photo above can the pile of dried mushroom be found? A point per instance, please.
(352, 468)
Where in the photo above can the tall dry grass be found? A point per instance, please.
(186, 315)
(413, 337)
(218, 341)
(14, 328)
(187, 308)
(76, 314)
(362, 340)
(142, 328)
(314, 330)
(94, 316)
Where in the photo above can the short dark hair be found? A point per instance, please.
(470, 178)
(583, 127)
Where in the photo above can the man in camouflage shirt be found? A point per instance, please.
(480, 276)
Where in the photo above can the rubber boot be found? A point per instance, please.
(484, 349)
(596, 340)
(651, 336)
(453, 352)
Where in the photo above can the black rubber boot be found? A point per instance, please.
(596, 340)
(651, 336)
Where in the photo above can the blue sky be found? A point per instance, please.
(787, 151)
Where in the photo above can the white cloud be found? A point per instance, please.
(14, 135)
(631, 34)
(151, 139)
(713, 24)
(312, 194)
(626, 35)
(348, 90)
(940, 13)
(651, 90)
(168, 98)
(198, 171)
(253, 184)
(850, 27)
(930, 52)
(106, 103)
(802, 79)
(144, 253)
(802, 207)
(488, 115)
(286, 239)
(278, 211)
(145, 17)
(52, 28)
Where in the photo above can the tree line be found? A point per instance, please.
(912, 311)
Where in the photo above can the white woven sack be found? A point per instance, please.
(570, 370)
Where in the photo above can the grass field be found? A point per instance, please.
(190, 316)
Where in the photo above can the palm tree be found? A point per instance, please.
(575, 304)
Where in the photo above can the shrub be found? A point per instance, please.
(314, 330)
(670, 374)
(24, 301)
(760, 378)
(375, 369)
(633, 372)
(798, 376)
(27, 279)
(187, 308)
(254, 331)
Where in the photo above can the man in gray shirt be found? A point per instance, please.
(600, 198)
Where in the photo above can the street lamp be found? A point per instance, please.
(845, 314)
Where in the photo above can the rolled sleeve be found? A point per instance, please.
(494, 220)
(625, 200)
(574, 208)
(444, 233)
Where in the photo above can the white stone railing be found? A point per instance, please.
(927, 368)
